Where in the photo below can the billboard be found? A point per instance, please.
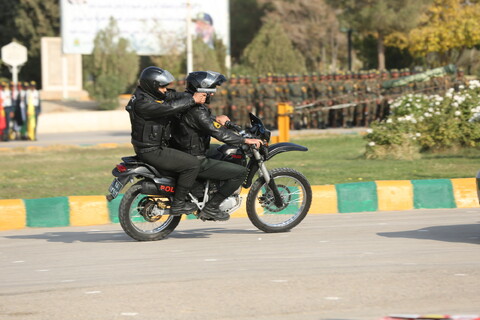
(153, 27)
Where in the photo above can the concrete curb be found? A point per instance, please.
(391, 195)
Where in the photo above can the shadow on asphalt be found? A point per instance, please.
(466, 233)
(98, 236)
(206, 232)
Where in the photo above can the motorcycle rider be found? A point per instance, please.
(191, 134)
(151, 109)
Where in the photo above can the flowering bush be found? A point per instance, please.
(418, 123)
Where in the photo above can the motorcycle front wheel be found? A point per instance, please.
(296, 194)
(142, 216)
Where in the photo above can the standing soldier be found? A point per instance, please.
(383, 105)
(243, 100)
(460, 80)
(31, 98)
(8, 107)
(282, 87)
(269, 96)
(256, 99)
(296, 96)
(309, 98)
(370, 102)
(315, 97)
(3, 118)
(17, 110)
(361, 107)
(232, 98)
(323, 94)
(350, 97)
(37, 103)
(251, 106)
(338, 94)
(219, 104)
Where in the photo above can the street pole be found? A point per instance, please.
(228, 58)
(15, 74)
(189, 38)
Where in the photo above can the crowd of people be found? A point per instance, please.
(340, 99)
(19, 109)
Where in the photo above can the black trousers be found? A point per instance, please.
(233, 174)
(186, 165)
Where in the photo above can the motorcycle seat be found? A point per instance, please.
(133, 160)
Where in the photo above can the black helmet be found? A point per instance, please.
(204, 80)
(152, 78)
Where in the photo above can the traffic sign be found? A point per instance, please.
(14, 54)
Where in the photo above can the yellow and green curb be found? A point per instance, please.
(391, 195)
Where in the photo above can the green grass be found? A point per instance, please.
(70, 171)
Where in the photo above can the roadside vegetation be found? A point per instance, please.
(30, 173)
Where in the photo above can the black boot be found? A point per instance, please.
(180, 206)
(211, 211)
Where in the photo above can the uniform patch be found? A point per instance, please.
(217, 125)
(159, 101)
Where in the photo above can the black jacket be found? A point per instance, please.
(151, 118)
(192, 131)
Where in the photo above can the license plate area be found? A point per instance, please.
(115, 187)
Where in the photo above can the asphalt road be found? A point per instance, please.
(72, 138)
(335, 266)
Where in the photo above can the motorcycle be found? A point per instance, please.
(278, 200)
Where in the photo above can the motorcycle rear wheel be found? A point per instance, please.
(137, 220)
(296, 193)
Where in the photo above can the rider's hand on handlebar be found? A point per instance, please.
(199, 97)
(254, 142)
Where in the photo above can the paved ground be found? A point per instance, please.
(339, 266)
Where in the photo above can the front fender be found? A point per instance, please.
(277, 148)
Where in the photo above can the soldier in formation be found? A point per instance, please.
(334, 100)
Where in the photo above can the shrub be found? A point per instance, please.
(419, 123)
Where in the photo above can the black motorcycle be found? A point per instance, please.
(277, 201)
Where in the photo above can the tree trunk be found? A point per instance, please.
(381, 52)
(333, 67)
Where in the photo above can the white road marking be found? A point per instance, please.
(332, 298)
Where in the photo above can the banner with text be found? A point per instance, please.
(153, 27)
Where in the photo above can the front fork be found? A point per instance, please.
(277, 198)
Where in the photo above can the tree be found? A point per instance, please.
(245, 18)
(272, 51)
(446, 29)
(204, 58)
(112, 67)
(380, 18)
(313, 28)
(27, 22)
